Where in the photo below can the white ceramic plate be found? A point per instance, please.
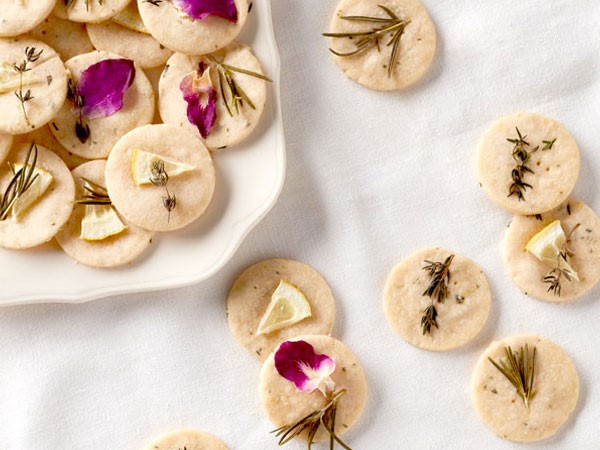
(249, 180)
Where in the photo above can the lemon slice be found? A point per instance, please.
(100, 222)
(33, 194)
(130, 18)
(10, 79)
(141, 166)
(546, 246)
(288, 306)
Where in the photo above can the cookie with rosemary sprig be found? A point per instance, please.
(220, 97)
(524, 388)
(89, 11)
(527, 163)
(6, 141)
(436, 299)
(188, 440)
(382, 44)
(33, 84)
(67, 38)
(20, 16)
(554, 256)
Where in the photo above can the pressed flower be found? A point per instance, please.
(201, 9)
(201, 98)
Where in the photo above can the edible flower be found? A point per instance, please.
(201, 9)
(201, 98)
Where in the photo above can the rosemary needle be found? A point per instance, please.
(21, 181)
(519, 369)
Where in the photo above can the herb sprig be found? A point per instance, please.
(553, 278)
(363, 40)
(69, 3)
(31, 56)
(519, 369)
(94, 194)
(160, 178)
(82, 129)
(437, 291)
(21, 181)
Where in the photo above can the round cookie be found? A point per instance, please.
(285, 404)
(528, 272)
(6, 141)
(141, 47)
(138, 110)
(555, 169)
(68, 38)
(47, 85)
(251, 293)
(227, 130)
(370, 67)
(89, 11)
(44, 137)
(143, 205)
(113, 251)
(459, 317)
(19, 17)
(43, 220)
(176, 30)
(189, 440)
(498, 405)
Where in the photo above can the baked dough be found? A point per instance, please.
(188, 439)
(20, 17)
(6, 141)
(68, 38)
(44, 137)
(94, 12)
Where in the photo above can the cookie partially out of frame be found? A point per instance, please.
(19, 17)
(189, 440)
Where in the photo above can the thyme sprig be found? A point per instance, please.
(21, 181)
(519, 369)
(554, 277)
(437, 290)
(31, 56)
(69, 3)
(94, 194)
(82, 129)
(324, 417)
(160, 178)
(522, 156)
(363, 40)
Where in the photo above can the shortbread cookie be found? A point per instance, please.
(251, 293)
(189, 440)
(228, 129)
(44, 137)
(410, 26)
(45, 217)
(6, 141)
(104, 132)
(116, 250)
(113, 36)
(285, 404)
(68, 38)
(30, 105)
(175, 29)
(527, 163)
(528, 272)
(144, 205)
(436, 322)
(555, 384)
(89, 11)
(20, 16)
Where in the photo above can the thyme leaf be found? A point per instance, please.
(519, 369)
(160, 178)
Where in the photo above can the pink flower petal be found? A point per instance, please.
(102, 86)
(201, 100)
(297, 362)
(201, 9)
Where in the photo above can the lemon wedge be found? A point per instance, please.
(100, 222)
(288, 306)
(10, 79)
(546, 246)
(33, 194)
(141, 166)
(130, 18)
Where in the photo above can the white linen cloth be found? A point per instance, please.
(371, 177)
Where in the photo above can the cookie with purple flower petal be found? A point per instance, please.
(189, 440)
(19, 16)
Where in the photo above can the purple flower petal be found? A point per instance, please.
(201, 9)
(201, 100)
(102, 86)
(297, 362)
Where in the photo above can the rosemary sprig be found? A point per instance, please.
(31, 56)
(21, 181)
(519, 369)
(69, 3)
(522, 156)
(324, 417)
(160, 178)
(94, 194)
(553, 278)
(436, 291)
(363, 40)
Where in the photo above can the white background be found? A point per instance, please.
(371, 177)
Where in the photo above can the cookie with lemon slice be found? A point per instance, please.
(275, 300)
(554, 256)
(95, 234)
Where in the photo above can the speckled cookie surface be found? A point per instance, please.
(138, 110)
(44, 137)
(496, 401)
(143, 205)
(555, 170)
(113, 251)
(179, 32)
(461, 315)
(20, 17)
(251, 293)
(48, 86)
(95, 11)
(43, 220)
(6, 141)
(370, 67)
(189, 440)
(528, 272)
(68, 38)
(285, 404)
(228, 130)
